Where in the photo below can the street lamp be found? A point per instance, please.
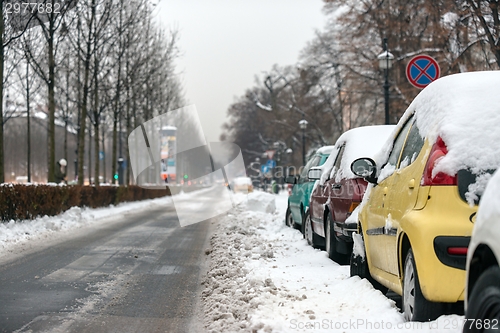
(289, 153)
(385, 60)
(303, 125)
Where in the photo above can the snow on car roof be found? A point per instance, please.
(464, 110)
(359, 142)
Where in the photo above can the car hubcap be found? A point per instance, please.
(409, 291)
(308, 230)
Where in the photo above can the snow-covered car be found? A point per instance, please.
(482, 296)
(298, 201)
(416, 218)
(338, 191)
(242, 184)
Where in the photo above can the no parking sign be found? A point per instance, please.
(422, 70)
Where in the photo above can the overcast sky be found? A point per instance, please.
(225, 43)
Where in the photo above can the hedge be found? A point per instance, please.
(21, 202)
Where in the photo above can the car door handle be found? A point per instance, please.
(336, 186)
(411, 184)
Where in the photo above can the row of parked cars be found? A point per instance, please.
(399, 203)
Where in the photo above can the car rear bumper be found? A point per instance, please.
(345, 230)
(443, 223)
(442, 246)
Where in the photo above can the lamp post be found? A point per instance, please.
(289, 153)
(120, 170)
(385, 60)
(303, 125)
(76, 166)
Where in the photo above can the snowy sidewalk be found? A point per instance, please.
(263, 277)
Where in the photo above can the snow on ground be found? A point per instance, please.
(263, 277)
(14, 233)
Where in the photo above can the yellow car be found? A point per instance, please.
(416, 218)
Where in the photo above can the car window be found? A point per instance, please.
(398, 144)
(336, 167)
(339, 158)
(315, 161)
(323, 159)
(413, 145)
(312, 163)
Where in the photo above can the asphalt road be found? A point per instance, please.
(139, 274)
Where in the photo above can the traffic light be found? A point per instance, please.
(186, 176)
(115, 176)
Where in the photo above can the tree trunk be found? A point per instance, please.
(116, 114)
(114, 159)
(83, 116)
(28, 118)
(96, 152)
(66, 116)
(52, 106)
(103, 135)
(90, 152)
(2, 179)
(129, 130)
(96, 121)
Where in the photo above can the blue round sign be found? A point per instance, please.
(422, 70)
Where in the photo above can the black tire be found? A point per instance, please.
(331, 244)
(312, 238)
(484, 302)
(359, 267)
(415, 306)
(289, 219)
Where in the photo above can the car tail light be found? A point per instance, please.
(438, 151)
(457, 251)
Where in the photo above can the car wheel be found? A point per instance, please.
(359, 267)
(415, 306)
(331, 244)
(484, 303)
(309, 234)
(289, 219)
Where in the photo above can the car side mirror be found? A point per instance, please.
(291, 180)
(314, 174)
(365, 168)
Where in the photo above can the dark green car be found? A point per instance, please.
(298, 201)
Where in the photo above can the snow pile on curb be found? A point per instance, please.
(263, 277)
(261, 202)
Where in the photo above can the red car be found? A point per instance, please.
(338, 191)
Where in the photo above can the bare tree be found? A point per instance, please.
(29, 87)
(487, 23)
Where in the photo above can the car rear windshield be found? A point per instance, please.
(468, 180)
